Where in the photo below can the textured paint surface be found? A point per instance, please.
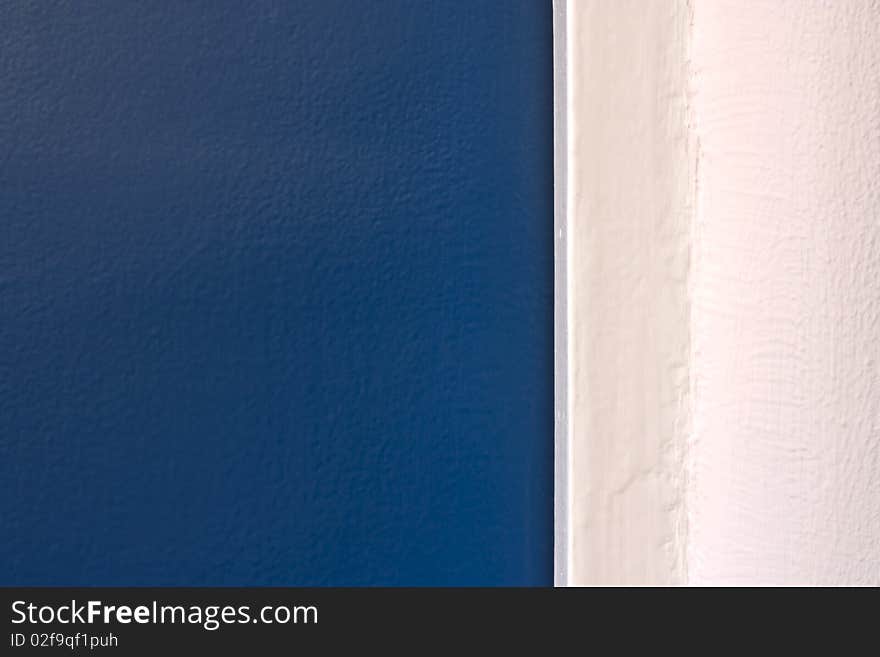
(724, 282)
(785, 455)
(276, 293)
(629, 188)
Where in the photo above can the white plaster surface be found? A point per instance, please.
(785, 450)
(723, 269)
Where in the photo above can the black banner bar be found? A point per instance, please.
(129, 621)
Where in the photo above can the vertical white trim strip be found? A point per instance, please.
(560, 246)
(624, 167)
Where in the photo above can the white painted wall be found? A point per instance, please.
(785, 451)
(722, 230)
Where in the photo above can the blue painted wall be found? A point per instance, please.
(276, 292)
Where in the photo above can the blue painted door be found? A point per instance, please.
(276, 284)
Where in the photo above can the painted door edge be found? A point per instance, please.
(560, 298)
